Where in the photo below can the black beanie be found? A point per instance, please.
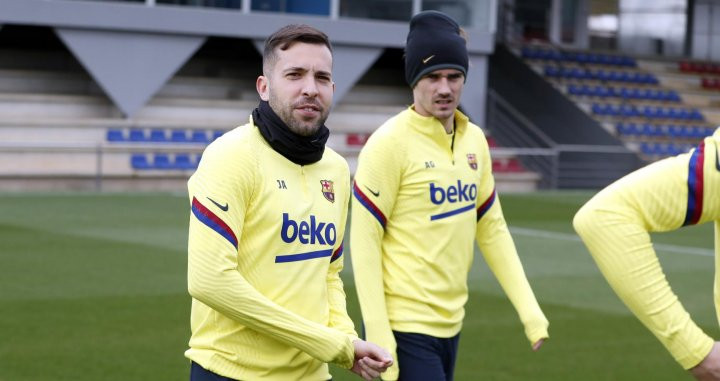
(433, 43)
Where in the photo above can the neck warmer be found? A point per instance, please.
(301, 150)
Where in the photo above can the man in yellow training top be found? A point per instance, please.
(423, 192)
(269, 204)
(615, 225)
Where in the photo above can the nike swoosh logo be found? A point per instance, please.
(717, 158)
(376, 194)
(428, 59)
(224, 208)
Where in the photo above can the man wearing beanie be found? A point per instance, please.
(268, 210)
(423, 192)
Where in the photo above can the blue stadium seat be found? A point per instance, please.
(178, 136)
(527, 53)
(650, 79)
(648, 148)
(573, 89)
(673, 96)
(137, 135)
(696, 115)
(598, 109)
(162, 161)
(706, 131)
(157, 136)
(627, 61)
(139, 161)
(199, 136)
(629, 111)
(552, 71)
(699, 132)
(115, 135)
(647, 130)
(627, 129)
(217, 134)
(602, 91)
(183, 162)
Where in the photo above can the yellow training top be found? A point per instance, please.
(665, 195)
(421, 197)
(264, 253)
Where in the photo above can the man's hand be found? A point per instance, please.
(709, 367)
(370, 360)
(538, 344)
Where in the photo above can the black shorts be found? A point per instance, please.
(198, 373)
(423, 357)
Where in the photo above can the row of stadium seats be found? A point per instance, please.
(664, 149)
(651, 112)
(600, 75)
(157, 135)
(584, 58)
(710, 83)
(628, 93)
(699, 67)
(163, 161)
(670, 131)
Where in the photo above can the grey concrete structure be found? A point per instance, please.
(132, 49)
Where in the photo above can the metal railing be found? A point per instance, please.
(539, 153)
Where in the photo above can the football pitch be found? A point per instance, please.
(93, 287)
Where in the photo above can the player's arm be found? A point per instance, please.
(339, 318)
(498, 249)
(374, 191)
(213, 278)
(614, 226)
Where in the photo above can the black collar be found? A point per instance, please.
(299, 149)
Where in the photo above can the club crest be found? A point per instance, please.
(472, 161)
(327, 190)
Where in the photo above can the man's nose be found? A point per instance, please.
(310, 88)
(444, 86)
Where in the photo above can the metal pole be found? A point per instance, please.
(416, 7)
(334, 9)
(246, 5)
(150, 3)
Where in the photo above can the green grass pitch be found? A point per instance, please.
(93, 287)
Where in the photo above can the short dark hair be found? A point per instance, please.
(288, 35)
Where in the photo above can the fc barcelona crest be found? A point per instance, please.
(472, 161)
(327, 190)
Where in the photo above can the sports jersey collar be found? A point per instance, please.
(429, 125)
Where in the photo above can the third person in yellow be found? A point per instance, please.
(615, 225)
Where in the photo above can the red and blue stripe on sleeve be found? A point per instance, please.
(486, 205)
(695, 186)
(369, 205)
(337, 254)
(206, 216)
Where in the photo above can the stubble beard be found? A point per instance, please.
(300, 127)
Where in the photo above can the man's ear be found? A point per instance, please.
(262, 85)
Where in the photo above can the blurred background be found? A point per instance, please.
(106, 107)
(124, 95)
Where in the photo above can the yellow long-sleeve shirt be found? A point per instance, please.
(264, 253)
(614, 225)
(421, 197)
